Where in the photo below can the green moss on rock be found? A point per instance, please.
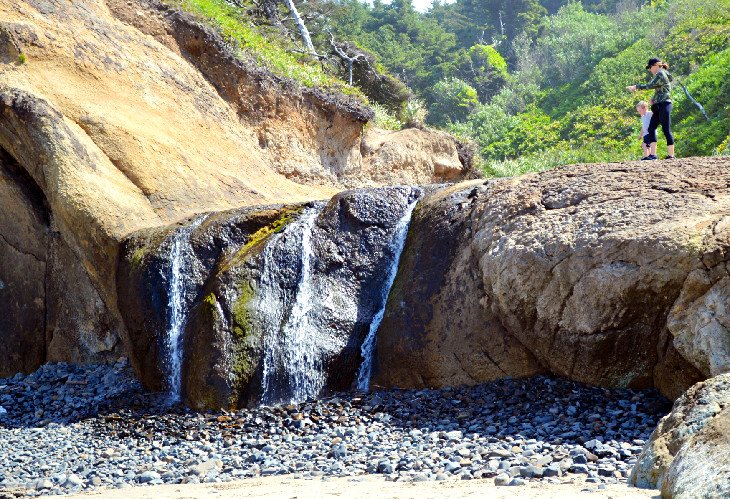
(246, 336)
(258, 238)
(138, 256)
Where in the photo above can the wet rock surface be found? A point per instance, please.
(245, 286)
(69, 429)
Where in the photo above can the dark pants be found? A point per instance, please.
(661, 115)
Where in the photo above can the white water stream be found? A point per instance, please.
(177, 307)
(367, 349)
(293, 368)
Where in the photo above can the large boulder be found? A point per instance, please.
(688, 454)
(573, 272)
(262, 285)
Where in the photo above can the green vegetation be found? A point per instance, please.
(533, 83)
(267, 47)
(538, 84)
(22, 58)
(246, 335)
(138, 256)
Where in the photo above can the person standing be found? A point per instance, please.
(643, 109)
(661, 105)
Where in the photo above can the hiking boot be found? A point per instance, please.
(669, 157)
(650, 157)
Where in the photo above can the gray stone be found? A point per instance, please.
(148, 476)
(502, 479)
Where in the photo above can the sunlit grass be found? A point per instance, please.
(553, 158)
(267, 49)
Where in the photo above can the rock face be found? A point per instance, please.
(687, 455)
(307, 135)
(24, 234)
(84, 165)
(249, 296)
(605, 264)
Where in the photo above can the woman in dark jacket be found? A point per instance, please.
(661, 106)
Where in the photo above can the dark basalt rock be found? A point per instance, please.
(228, 323)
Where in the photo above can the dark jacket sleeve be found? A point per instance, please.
(655, 82)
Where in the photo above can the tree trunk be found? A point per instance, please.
(303, 31)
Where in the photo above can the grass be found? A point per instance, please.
(552, 158)
(22, 58)
(267, 49)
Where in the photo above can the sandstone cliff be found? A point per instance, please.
(117, 116)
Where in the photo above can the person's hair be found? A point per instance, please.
(642, 104)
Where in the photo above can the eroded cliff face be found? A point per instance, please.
(613, 275)
(305, 134)
(116, 117)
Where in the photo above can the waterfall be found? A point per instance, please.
(368, 346)
(177, 307)
(293, 369)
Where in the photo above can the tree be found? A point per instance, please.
(484, 68)
(452, 100)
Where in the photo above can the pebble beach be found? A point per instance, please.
(69, 429)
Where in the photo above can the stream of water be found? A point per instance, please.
(367, 349)
(293, 369)
(177, 307)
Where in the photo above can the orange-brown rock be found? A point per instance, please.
(572, 272)
(126, 115)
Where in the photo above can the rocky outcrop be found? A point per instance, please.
(122, 116)
(246, 284)
(413, 156)
(687, 455)
(601, 263)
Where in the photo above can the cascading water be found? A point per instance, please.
(177, 308)
(293, 367)
(368, 346)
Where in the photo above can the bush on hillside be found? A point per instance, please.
(453, 100)
(483, 67)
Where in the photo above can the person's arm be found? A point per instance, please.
(655, 82)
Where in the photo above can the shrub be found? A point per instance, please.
(414, 113)
(483, 67)
(453, 100)
(383, 118)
